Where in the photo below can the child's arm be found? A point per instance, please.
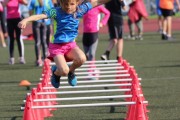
(123, 4)
(106, 16)
(23, 23)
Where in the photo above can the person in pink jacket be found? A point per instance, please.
(91, 24)
(137, 11)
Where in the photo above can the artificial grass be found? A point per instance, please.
(157, 62)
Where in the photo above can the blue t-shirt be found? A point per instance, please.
(37, 9)
(66, 25)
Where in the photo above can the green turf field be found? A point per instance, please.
(157, 62)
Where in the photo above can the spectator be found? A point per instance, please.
(41, 29)
(160, 17)
(13, 18)
(91, 24)
(2, 27)
(136, 12)
(115, 26)
(167, 7)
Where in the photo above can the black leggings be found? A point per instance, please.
(41, 38)
(12, 27)
(3, 22)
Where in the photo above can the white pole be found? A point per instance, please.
(101, 65)
(101, 72)
(102, 68)
(82, 98)
(101, 76)
(87, 62)
(97, 81)
(90, 86)
(84, 91)
(86, 105)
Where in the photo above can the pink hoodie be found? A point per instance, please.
(91, 19)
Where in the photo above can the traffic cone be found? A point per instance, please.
(28, 111)
(132, 108)
(140, 112)
(38, 112)
(25, 83)
(46, 112)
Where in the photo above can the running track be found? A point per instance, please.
(149, 26)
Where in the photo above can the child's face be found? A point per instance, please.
(70, 6)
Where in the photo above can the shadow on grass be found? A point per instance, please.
(114, 119)
(11, 118)
(157, 43)
(17, 67)
(163, 107)
(163, 66)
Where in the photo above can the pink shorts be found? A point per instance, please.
(60, 49)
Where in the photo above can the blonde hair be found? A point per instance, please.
(63, 2)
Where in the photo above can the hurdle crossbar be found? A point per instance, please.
(83, 91)
(82, 98)
(86, 105)
(91, 86)
(101, 68)
(101, 76)
(88, 62)
(98, 81)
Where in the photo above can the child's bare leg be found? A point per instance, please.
(62, 67)
(78, 57)
(169, 23)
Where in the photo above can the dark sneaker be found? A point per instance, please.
(104, 57)
(72, 80)
(55, 80)
(164, 37)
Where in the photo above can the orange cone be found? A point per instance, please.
(25, 83)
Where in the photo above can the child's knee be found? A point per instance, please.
(81, 60)
(64, 71)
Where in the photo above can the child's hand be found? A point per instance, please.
(100, 25)
(22, 24)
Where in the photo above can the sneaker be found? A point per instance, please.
(164, 37)
(55, 80)
(11, 61)
(22, 60)
(104, 57)
(139, 37)
(39, 63)
(4, 45)
(160, 31)
(170, 38)
(131, 37)
(72, 80)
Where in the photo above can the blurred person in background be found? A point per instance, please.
(115, 26)
(41, 29)
(2, 26)
(13, 18)
(137, 11)
(160, 17)
(167, 7)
